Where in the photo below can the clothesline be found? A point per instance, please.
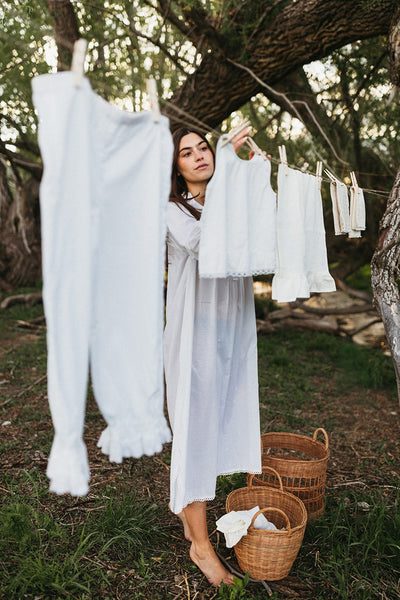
(206, 129)
(370, 191)
(190, 120)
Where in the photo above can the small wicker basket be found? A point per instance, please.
(301, 462)
(263, 553)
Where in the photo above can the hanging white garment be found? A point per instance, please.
(103, 200)
(239, 219)
(210, 369)
(340, 207)
(357, 211)
(301, 248)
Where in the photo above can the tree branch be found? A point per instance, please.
(28, 144)
(17, 160)
(300, 33)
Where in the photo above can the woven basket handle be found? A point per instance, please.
(278, 510)
(325, 436)
(267, 468)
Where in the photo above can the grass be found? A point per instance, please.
(127, 525)
(121, 543)
(46, 556)
(358, 548)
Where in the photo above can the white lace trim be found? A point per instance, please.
(189, 500)
(237, 275)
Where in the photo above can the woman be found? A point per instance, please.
(210, 359)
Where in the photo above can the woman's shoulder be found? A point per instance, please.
(181, 211)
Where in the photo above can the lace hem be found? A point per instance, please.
(119, 444)
(238, 274)
(189, 500)
(68, 467)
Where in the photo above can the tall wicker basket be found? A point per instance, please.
(301, 462)
(269, 554)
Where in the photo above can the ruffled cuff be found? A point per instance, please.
(288, 287)
(321, 282)
(68, 468)
(119, 443)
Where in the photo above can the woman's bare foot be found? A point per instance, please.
(186, 528)
(209, 563)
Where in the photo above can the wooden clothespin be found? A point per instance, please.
(78, 60)
(331, 176)
(234, 132)
(283, 157)
(153, 97)
(253, 146)
(354, 180)
(318, 173)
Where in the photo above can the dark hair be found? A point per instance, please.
(179, 192)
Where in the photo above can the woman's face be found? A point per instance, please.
(195, 159)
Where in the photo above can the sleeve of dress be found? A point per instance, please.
(183, 229)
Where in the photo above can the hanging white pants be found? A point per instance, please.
(301, 247)
(103, 200)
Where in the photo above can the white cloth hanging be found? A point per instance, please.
(340, 207)
(103, 200)
(210, 369)
(357, 211)
(301, 247)
(239, 219)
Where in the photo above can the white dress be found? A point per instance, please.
(211, 374)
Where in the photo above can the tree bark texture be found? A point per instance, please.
(20, 256)
(385, 275)
(394, 49)
(295, 35)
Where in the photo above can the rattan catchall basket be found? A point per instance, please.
(301, 462)
(263, 553)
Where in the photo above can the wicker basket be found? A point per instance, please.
(301, 462)
(269, 554)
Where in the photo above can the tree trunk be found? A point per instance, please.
(20, 257)
(66, 30)
(385, 272)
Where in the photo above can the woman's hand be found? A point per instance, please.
(240, 139)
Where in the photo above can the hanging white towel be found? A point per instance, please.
(301, 248)
(103, 198)
(239, 217)
(340, 207)
(357, 211)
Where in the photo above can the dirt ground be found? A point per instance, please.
(364, 446)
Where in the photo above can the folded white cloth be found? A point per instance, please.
(234, 525)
